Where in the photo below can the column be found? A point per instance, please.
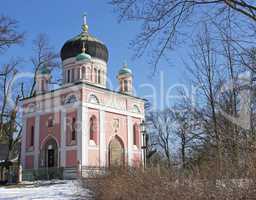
(102, 139)
(84, 136)
(63, 139)
(130, 139)
(37, 144)
(23, 140)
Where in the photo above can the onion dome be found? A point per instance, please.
(93, 47)
(44, 70)
(125, 70)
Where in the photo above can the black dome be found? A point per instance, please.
(93, 47)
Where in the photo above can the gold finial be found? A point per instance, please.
(85, 26)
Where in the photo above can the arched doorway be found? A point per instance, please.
(116, 152)
(50, 153)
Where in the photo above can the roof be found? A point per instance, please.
(83, 83)
(94, 47)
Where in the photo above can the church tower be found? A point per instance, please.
(43, 76)
(125, 79)
(84, 59)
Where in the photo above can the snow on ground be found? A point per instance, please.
(47, 190)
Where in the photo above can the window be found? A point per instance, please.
(126, 85)
(88, 74)
(32, 135)
(50, 122)
(73, 131)
(99, 79)
(93, 129)
(136, 134)
(83, 72)
(136, 109)
(78, 74)
(93, 99)
(95, 75)
(70, 99)
(73, 75)
(68, 76)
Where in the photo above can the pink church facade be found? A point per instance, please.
(82, 122)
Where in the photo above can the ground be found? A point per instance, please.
(47, 190)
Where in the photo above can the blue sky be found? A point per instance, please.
(62, 19)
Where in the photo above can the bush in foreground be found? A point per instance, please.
(153, 183)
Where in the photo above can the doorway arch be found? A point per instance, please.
(116, 152)
(50, 153)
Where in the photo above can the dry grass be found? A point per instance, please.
(155, 184)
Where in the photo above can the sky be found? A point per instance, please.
(62, 20)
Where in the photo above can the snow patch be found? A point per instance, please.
(48, 190)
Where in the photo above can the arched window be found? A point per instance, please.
(73, 129)
(99, 78)
(50, 121)
(78, 74)
(136, 132)
(32, 136)
(70, 99)
(73, 75)
(95, 75)
(93, 99)
(125, 85)
(83, 72)
(68, 79)
(93, 128)
(88, 74)
(136, 109)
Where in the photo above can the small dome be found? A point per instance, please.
(125, 70)
(83, 56)
(44, 70)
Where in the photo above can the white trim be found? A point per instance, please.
(36, 141)
(68, 148)
(102, 139)
(45, 140)
(31, 153)
(23, 141)
(84, 136)
(79, 136)
(89, 105)
(130, 139)
(63, 139)
(72, 87)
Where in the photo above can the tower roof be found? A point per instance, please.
(125, 70)
(94, 47)
(44, 70)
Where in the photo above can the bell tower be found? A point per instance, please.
(125, 79)
(43, 76)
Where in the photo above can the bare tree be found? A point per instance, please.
(8, 33)
(166, 22)
(160, 125)
(44, 55)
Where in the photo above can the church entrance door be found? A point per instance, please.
(50, 158)
(50, 153)
(116, 152)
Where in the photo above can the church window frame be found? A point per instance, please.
(93, 129)
(73, 129)
(32, 136)
(93, 99)
(136, 133)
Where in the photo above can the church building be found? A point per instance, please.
(82, 122)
